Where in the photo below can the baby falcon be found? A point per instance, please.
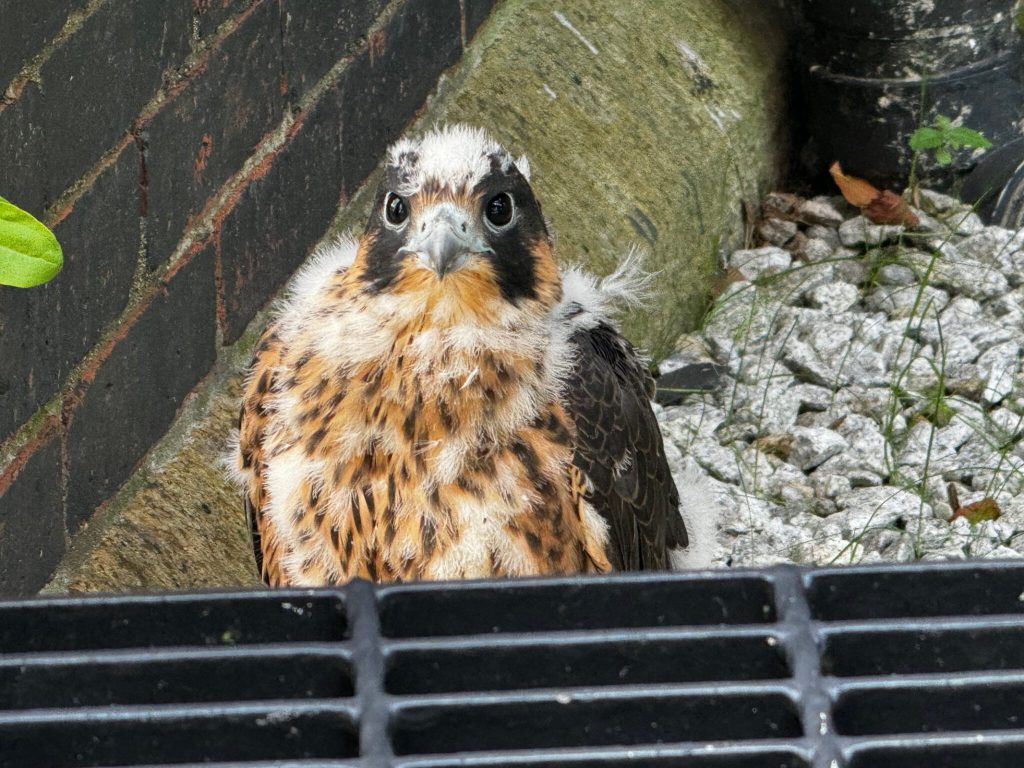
(440, 401)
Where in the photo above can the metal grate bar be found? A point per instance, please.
(864, 667)
(802, 646)
(778, 754)
(368, 661)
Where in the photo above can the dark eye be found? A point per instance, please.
(395, 209)
(499, 209)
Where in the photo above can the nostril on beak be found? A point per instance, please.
(463, 226)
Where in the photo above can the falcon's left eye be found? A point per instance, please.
(499, 209)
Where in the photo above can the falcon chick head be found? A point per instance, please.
(455, 214)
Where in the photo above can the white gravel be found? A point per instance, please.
(866, 371)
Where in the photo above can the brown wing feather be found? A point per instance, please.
(252, 422)
(620, 450)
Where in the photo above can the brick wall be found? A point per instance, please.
(188, 154)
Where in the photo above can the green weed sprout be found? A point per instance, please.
(942, 137)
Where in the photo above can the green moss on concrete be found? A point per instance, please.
(653, 139)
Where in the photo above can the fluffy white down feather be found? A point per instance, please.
(701, 512)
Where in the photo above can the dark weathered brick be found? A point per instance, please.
(88, 95)
(317, 35)
(101, 241)
(194, 144)
(25, 28)
(45, 331)
(387, 84)
(23, 178)
(475, 13)
(93, 87)
(31, 518)
(136, 391)
(280, 216)
(30, 367)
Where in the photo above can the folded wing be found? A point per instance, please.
(620, 450)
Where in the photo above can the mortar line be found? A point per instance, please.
(30, 71)
(273, 143)
(10, 472)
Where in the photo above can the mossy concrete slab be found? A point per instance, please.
(646, 123)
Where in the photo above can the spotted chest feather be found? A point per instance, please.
(411, 439)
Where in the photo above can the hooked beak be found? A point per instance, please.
(444, 239)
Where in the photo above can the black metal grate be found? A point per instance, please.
(872, 667)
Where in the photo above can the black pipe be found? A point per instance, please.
(876, 70)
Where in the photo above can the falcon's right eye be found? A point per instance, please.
(396, 211)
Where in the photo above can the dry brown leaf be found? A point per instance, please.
(985, 509)
(857, 192)
(890, 208)
(880, 206)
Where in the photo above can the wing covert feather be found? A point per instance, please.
(619, 449)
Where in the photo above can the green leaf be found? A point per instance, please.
(943, 156)
(968, 137)
(942, 122)
(926, 138)
(29, 253)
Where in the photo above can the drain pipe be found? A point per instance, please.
(875, 70)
